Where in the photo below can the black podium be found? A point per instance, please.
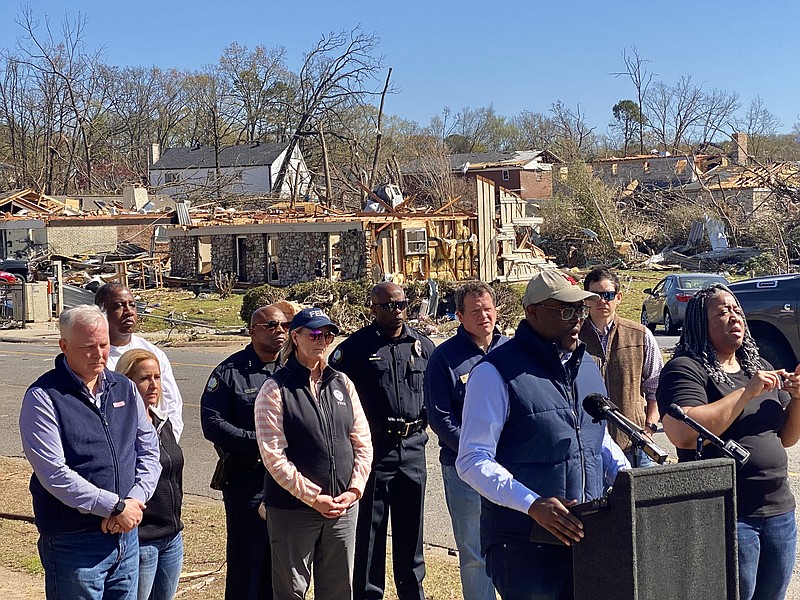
(666, 533)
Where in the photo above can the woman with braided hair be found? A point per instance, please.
(719, 379)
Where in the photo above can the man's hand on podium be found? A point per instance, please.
(553, 514)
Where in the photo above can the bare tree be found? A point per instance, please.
(575, 140)
(334, 73)
(636, 71)
(761, 127)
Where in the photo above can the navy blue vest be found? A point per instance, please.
(548, 443)
(317, 433)
(99, 444)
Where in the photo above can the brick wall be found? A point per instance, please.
(81, 240)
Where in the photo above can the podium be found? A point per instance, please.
(665, 533)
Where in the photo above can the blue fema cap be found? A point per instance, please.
(312, 318)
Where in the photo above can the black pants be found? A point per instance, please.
(249, 575)
(396, 486)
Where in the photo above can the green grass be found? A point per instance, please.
(209, 310)
(32, 565)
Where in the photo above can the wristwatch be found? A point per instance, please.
(118, 508)
(652, 427)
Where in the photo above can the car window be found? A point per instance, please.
(658, 288)
(668, 285)
(696, 283)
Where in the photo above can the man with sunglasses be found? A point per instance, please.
(528, 447)
(629, 359)
(227, 416)
(386, 361)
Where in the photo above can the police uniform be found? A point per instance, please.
(388, 374)
(227, 417)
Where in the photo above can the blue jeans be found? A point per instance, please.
(642, 459)
(531, 571)
(90, 566)
(464, 506)
(160, 563)
(766, 556)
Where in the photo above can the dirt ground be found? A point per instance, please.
(203, 576)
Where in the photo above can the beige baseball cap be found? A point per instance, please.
(554, 285)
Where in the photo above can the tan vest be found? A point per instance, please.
(622, 367)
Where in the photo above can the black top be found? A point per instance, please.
(387, 372)
(762, 486)
(162, 517)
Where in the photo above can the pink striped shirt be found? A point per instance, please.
(272, 442)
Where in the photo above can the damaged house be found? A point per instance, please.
(241, 170)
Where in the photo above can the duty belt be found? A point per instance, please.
(397, 427)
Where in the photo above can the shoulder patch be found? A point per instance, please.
(337, 356)
(417, 349)
(213, 384)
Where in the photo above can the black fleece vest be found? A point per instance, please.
(99, 444)
(317, 432)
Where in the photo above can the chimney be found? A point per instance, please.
(740, 156)
(155, 153)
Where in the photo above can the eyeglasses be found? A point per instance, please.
(393, 305)
(317, 335)
(607, 296)
(569, 313)
(273, 325)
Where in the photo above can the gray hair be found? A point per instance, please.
(696, 343)
(474, 288)
(83, 314)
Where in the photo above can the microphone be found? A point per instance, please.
(599, 407)
(730, 448)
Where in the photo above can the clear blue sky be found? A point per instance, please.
(516, 55)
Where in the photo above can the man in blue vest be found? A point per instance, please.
(445, 383)
(95, 463)
(528, 447)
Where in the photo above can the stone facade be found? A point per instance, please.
(223, 254)
(256, 256)
(298, 254)
(183, 257)
(353, 255)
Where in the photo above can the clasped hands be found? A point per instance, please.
(331, 507)
(125, 521)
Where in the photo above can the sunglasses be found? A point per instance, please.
(317, 335)
(607, 296)
(393, 305)
(569, 313)
(273, 325)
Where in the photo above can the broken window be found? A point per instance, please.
(646, 166)
(506, 175)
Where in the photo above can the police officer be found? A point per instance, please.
(227, 417)
(386, 361)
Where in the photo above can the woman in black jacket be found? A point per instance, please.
(160, 538)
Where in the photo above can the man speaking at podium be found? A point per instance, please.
(528, 447)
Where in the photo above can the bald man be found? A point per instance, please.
(228, 420)
(386, 361)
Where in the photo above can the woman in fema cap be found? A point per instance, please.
(315, 442)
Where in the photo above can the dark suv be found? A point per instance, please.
(771, 305)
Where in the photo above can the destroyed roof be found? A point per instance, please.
(28, 202)
(488, 160)
(738, 177)
(643, 157)
(477, 161)
(202, 157)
